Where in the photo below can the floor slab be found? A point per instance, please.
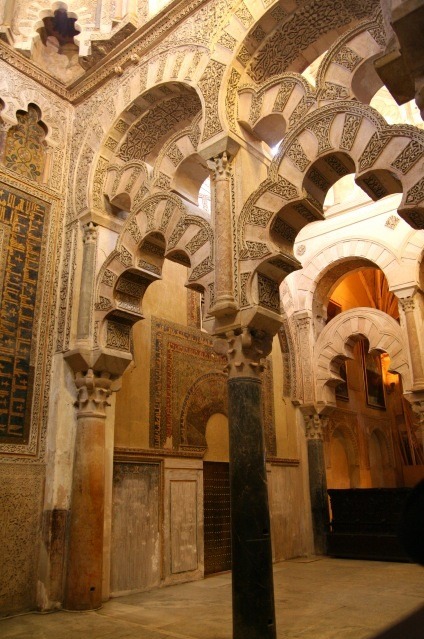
(315, 599)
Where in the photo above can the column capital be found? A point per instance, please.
(407, 303)
(90, 233)
(245, 351)
(94, 389)
(315, 425)
(220, 166)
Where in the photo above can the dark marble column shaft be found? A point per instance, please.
(318, 492)
(252, 578)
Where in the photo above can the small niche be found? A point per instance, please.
(59, 32)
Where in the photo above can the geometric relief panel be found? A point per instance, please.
(22, 220)
(21, 504)
(183, 363)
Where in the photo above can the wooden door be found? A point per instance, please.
(217, 520)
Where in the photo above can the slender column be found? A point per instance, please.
(224, 292)
(252, 578)
(317, 480)
(83, 588)
(408, 306)
(87, 280)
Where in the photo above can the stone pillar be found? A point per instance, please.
(408, 306)
(303, 320)
(224, 291)
(252, 577)
(87, 281)
(317, 480)
(83, 587)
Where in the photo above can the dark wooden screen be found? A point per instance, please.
(217, 524)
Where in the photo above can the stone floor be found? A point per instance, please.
(315, 599)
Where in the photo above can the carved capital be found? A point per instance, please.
(407, 304)
(220, 167)
(94, 389)
(90, 233)
(245, 352)
(315, 426)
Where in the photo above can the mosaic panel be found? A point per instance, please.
(180, 357)
(22, 221)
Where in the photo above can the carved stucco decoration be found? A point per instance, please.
(210, 84)
(376, 150)
(301, 29)
(17, 92)
(350, 52)
(149, 130)
(280, 89)
(337, 340)
(134, 133)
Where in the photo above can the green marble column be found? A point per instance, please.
(252, 577)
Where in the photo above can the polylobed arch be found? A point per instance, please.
(142, 170)
(270, 110)
(112, 120)
(266, 32)
(162, 228)
(386, 158)
(338, 338)
(349, 61)
(285, 202)
(274, 106)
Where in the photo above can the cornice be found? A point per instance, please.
(128, 52)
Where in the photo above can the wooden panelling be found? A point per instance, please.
(136, 548)
(183, 526)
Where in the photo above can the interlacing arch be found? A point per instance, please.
(275, 106)
(173, 73)
(162, 228)
(329, 143)
(337, 339)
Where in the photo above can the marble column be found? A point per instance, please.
(408, 306)
(83, 586)
(87, 281)
(252, 577)
(221, 184)
(317, 480)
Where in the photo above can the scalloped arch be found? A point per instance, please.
(336, 341)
